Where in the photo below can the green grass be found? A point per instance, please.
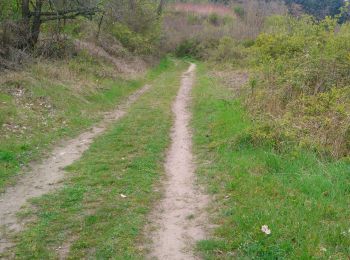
(89, 211)
(304, 200)
(59, 100)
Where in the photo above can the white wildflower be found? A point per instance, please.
(265, 229)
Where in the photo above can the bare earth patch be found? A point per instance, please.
(47, 175)
(180, 217)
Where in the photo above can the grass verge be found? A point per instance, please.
(48, 102)
(303, 200)
(88, 217)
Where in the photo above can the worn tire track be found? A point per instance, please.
(47, 175)
(180, 217)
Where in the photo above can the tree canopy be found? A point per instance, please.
(319, 8)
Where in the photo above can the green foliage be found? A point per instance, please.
(9, 9)
(188, 48)
(6, 156)
(135, 24)
(214, 19)
(194, 19)
(228, 51)
(131, 40)
(306, 66)
(78, 28)
(303, 200)
(302, 65)
(319, 8)
(239, 11)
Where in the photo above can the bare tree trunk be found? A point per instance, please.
(160, 7)
(25, 23)
(25, 12)
(33, 17)
(4, 42)
(99, 25)
(132, 5)
(35, 30)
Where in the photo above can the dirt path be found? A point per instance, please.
(180, 216)
(47, 175)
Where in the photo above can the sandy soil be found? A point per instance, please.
(180, 217)
(47, 175)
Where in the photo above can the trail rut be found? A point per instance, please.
(47, 175)
(180, 217)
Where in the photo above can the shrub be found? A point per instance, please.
(214, 19)
(228, 51)
(239, 11)
(133, 41)
(304, 85)
(188, 48)
(194, 19)
(55, 47)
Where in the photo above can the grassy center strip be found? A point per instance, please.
(267, 204)
(101, 211)
(53, 101)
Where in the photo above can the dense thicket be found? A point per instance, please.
(303, 88)
(52, 27)
(29, 16)
(299, 92)
(319, 8)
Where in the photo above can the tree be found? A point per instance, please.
(319, 8)
(160, 7)
(36, 12)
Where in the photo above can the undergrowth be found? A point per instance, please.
(298, 90)
(302, 199)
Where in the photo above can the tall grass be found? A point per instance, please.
(203, 26)
(302, 199)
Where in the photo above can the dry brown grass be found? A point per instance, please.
(179, 27)
(207, 24)
(123, 65)
(255, 13)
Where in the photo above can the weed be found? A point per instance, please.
(302, 199)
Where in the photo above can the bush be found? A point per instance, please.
(134, 42)
(239, 11)
(135, 24)
(304, 87)
(188, 48)
(214, 19)
(228, 51)
(55, 48)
